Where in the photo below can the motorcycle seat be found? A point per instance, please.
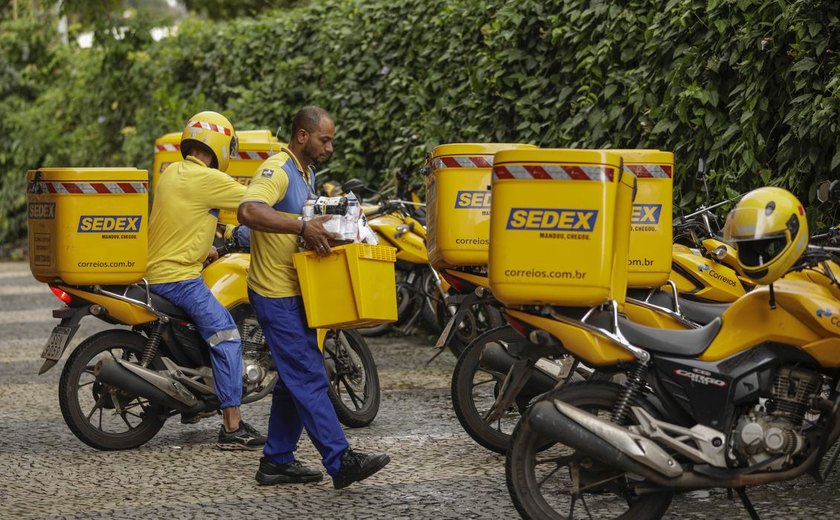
(137, 292)
(686, 343)
(698, 312)
(701, 312)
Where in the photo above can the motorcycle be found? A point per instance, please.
(495, 378)
(120, 385)
(748, 399)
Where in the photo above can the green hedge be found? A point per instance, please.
(751, 86)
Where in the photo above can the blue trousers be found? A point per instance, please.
(218, 329)
(300, 397)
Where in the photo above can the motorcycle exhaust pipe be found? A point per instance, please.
(138, 380)
(496, 358)
(603, 440)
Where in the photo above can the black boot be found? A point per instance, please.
(357, 466)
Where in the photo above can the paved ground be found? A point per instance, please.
(437, 471)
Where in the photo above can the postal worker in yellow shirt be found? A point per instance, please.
(271, 208)
(187, 200)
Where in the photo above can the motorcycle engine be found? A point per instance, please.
(773, 435)
(256, 358)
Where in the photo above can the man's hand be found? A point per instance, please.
(212, 256)
(317, 237)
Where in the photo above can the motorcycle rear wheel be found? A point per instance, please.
(88, 405)
(538, 471)
(354, 381)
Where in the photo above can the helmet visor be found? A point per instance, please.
(754, 224)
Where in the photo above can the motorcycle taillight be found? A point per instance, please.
(518, 326)
(454, 281)
(61, 295)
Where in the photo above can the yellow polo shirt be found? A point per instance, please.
(281, 183)
(187, 200)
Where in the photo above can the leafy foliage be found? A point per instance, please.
(750, 86)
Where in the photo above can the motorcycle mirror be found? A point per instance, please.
(353, 185)
(828, 191)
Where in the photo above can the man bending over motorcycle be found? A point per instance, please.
(271, 208)
(187, 200)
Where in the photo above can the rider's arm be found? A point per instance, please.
(222, 191)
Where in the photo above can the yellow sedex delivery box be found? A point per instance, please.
(87, 226)
(458, 202)
(559, 227)
(651, 226)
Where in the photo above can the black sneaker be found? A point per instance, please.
(245, 438)
(291, 473)
(357, 466)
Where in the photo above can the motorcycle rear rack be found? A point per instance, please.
(122, 297)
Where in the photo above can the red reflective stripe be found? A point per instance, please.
(576, 173)
(537, 172)
(502, 173)
(72, 187)
(50, 187)
(644, 170)
(450, 162)
(126, 187)
(100, 188)
(481, 162)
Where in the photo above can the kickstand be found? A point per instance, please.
(439, 352)
(742, 493)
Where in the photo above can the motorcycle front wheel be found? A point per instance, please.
(481, 318)
(474, 390)
(354, 381)
(549, 480)
(102, 416)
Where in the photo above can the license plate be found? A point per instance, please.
(443, 339)
(57, 343)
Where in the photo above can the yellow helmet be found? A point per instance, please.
(213, 131)
(769, 230)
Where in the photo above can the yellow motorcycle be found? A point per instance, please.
(120, 385)
(751, 398)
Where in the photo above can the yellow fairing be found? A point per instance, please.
(410, 246)
(818, 276)
(805, 315)
(651, 318)
(593, 349)
(703, 278)
(124, 312)
(227, 279)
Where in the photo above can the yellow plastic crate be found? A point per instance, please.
(353, 287)
(458, 202)
(651, 229)
(87, 225)
(255, 146)
(559, 227)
